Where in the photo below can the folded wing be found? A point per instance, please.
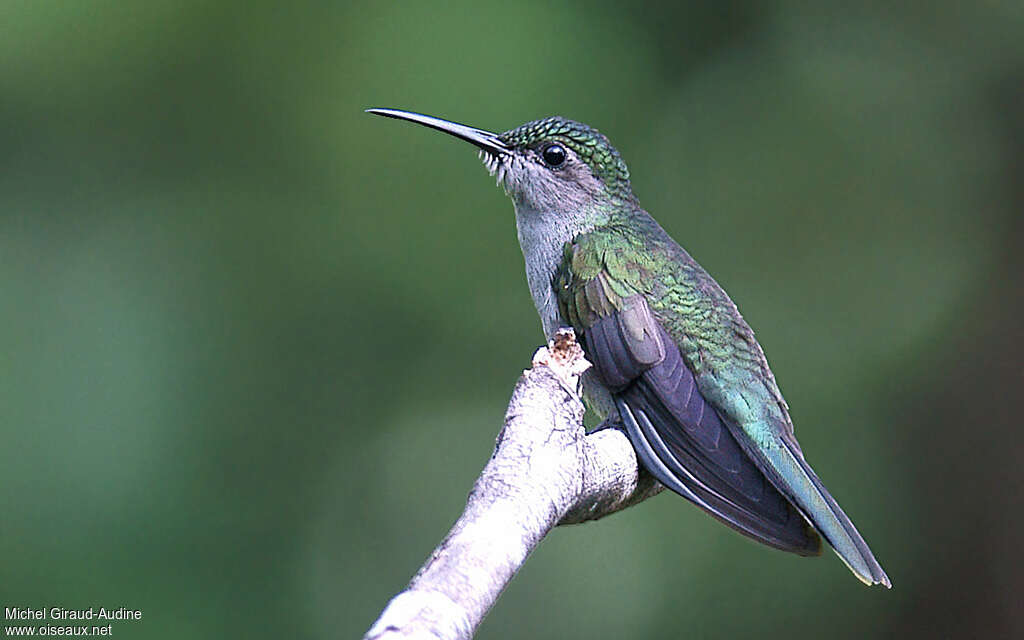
(679, 436)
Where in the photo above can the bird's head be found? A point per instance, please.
(547, 165)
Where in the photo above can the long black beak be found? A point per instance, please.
(486, 140)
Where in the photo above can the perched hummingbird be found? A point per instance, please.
(674, 362)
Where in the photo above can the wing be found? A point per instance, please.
(722, 441)
(679, 437)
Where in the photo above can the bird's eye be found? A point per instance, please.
(554, 155)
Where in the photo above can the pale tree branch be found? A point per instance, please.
(545, 471)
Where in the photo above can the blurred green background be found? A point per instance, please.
(257, 345)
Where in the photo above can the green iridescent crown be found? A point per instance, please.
(588, 143)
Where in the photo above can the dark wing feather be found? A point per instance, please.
(697, 398)
(679, 436)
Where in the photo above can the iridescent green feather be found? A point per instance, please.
(715, 341)
(633, 255)
(588, 143)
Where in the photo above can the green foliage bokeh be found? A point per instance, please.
(256, 344)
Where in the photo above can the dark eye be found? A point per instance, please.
(554, 155)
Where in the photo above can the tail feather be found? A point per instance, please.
(797, 480)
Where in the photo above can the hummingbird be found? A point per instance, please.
(675, 365)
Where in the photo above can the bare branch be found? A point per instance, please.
(545, 471)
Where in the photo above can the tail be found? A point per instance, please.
(794, 477)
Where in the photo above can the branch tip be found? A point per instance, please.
(564, 356)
